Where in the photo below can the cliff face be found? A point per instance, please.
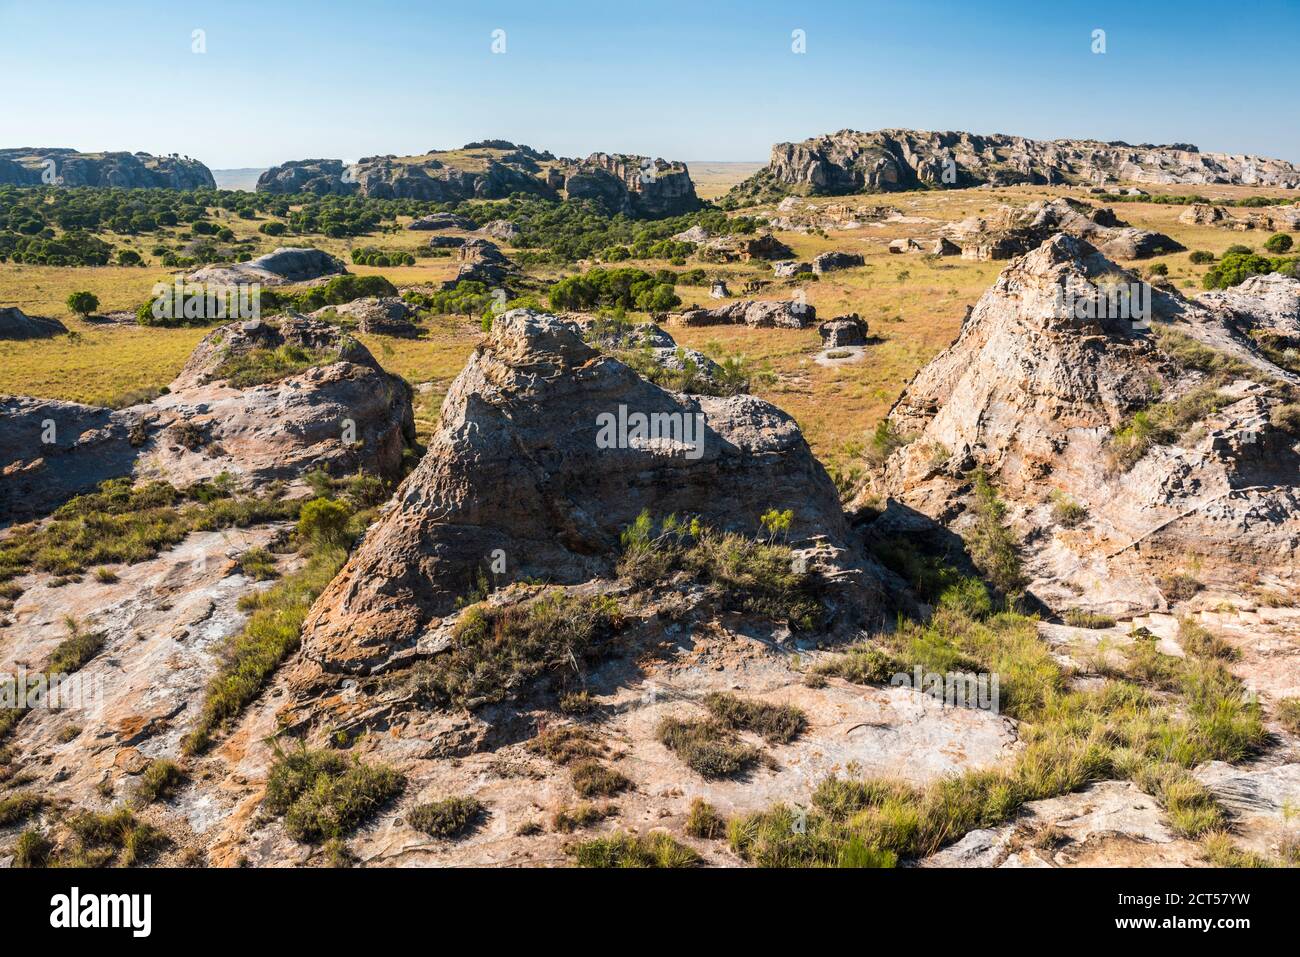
(36, 166)
(622, 183)
(885, 160)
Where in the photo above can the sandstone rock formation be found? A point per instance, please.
(15, 324)
(1046, 370)
(502, 229)
(831, 261)
(285, 266)
(843, 331)
(435, 221)
(1011, 231)
(516, 466)
(739, 248)
(35, 166)
(1201, 214)
(621, 183)
(895, 159)
(377, 315)
(789, 268)
(338, 410)
(761, 313)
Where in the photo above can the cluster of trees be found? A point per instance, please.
(336, 292)
(616, 289)
(76, 248)
(370, 256)
(1239, 263)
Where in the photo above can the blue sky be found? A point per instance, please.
(685, 80)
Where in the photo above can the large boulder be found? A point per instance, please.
(530, 465)
(1043, 375)
(285, 266)
(758, 313)
(843, 331)
(1014, 230)
(15, 324)
(831, 261)
(332, 407)
(376, 315)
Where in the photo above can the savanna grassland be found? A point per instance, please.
(914, 304)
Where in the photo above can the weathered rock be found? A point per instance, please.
(383, 315)
(15, 324)
(789, 268)
(446, 242)
(36, 166)
(760, 313)
(896, 159)
(1201, 214)
(1031, 392)
(843, 331)
(908, 245)
(1013, 231)
(502, 229)
(622, 183)
(739, 248)
(831, 261)
(944, 247)
(436, 221)
(343, 413)
(516, 465)
(285, 266)
(696, 234)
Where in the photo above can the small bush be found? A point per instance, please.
(160, 781)
(1279, 243)
(1199, 257)
(863, 665)
(258, 564)
(73, 652)
(1179, 586)
(593, 779)
(705, 822)
(1198, 641)
(568, 820)
(778, 724)
(707, 747)
(32, 850)
(565, 743)
(18, 806)
(1287, 713)
(322, 795)
(450, 817)
(112, 836)
(1066, 512)
(82, 303)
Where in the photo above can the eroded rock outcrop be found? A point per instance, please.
(1013, 231)
(758, 313)
(894, 159)
(36, 166)
(285, 266)
(1038, 391)
(533, 461)
(16, 324)
(329, 406)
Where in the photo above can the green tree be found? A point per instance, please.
(83, 303)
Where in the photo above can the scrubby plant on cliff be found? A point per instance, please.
(325, 794)
(497, 650)
(748, 575)
(993, 546)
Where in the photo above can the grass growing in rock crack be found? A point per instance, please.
(704, 821)
(324, 794)
(633, 850)
(778, 724)
(19, 806)
(122, 523)
(110, 837)
(496, 651)
(749, 575)
(32, 849)
(1163, 423)
(273, 631)
(568, 820)
(708, 747)
(72, 653)
(1081, 618)
(1287, 712)
(161, 780)
(565, 743)
(450, 817)
(1199, 641)
(1164, 717)
(259, 366)
(593, 779)
(993, 547)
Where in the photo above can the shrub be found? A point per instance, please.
(565, 743)
(73, 652)
(324, 522)
(593, 779)
(1066, 512)
(778, 724)
(83, 303)
(707, 747)
(1279, 243)
(863, 665)
(1287, 713)
(495, 651)
(568, 820)
(1199, 257)
(112, 836)
(32, 850)
(450, 817)
(1286, 417)
(704, 821)
(160, 780)
(993, 547)
(321, 794)
(18, 806)
(258, 564)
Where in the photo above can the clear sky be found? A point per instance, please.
(706, 79)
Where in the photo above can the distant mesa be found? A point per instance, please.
(890, 160)
(494, 169)
(38, 166)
